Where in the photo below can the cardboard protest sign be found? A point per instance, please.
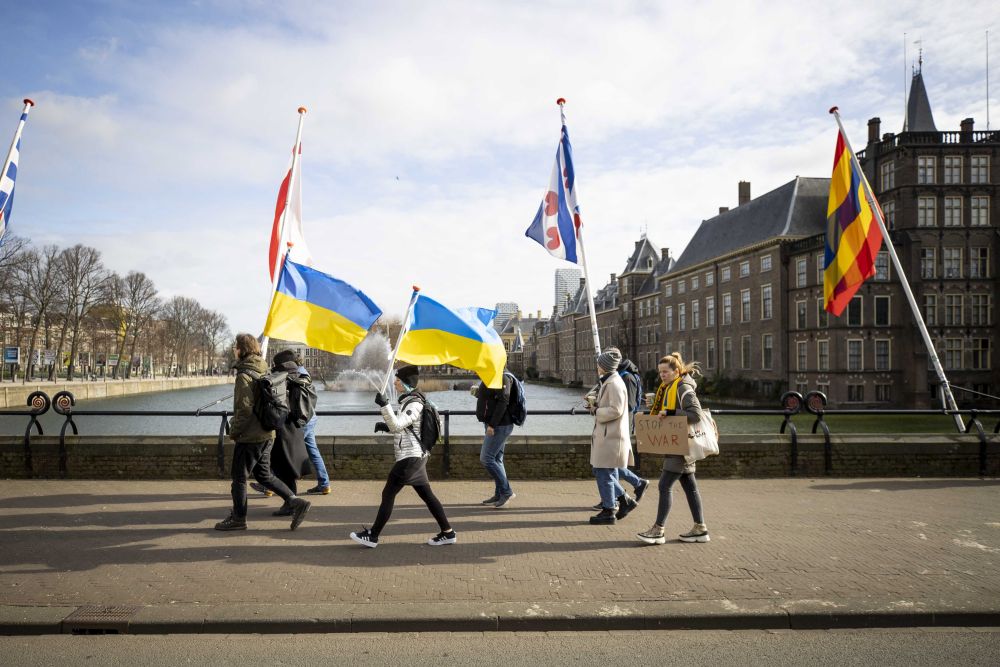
(661, 436)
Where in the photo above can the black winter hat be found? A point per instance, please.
(409, 375)
(284, 357)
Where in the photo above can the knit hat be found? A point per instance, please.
(609, 359)
(409, 375)
(284, 357)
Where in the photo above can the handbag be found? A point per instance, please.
(703, 438)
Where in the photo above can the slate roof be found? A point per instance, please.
(918, 108)
(662, 266)
(794, 210)
(644, 251)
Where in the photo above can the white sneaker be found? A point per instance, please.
(698, 533)
(365, 538)
(654, 535)
(443, 538)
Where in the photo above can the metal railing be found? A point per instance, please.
(792, 404)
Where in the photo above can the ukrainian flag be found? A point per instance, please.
(319, 310)
(464, 338)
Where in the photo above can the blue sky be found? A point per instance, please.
(162, 130)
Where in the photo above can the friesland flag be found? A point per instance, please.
(557, 223)
(9, 174)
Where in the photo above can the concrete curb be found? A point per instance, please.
(494, 617)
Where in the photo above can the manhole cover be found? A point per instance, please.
(94, 619)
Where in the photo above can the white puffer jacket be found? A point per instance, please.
(406, 426)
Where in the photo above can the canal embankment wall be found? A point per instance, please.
(527, 457)
(14, 395)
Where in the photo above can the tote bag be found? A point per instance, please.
(703, 438)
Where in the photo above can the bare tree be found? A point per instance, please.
(180, 315)
(39, 280)
(84, 280)
(136, 302)
(214, 329)
(12, 302)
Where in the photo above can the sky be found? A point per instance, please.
(161, 131)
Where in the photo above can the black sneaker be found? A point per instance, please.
(505, 499)
(365, 538)
(299, 509)
(605, 516)
(231, 523)
(492, 500)
(319, 490)
(284, 510)
(625, 505)
(641, 489)
(443, 538)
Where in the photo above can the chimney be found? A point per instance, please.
(723, 209)
(519, 315)
(613, 277)
(967, 129)
(744, 192)
(664, 253)
(539, 313)
(874, 127)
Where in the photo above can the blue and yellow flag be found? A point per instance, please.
(319, 310)
(464, 338)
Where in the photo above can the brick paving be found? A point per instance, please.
(906, 543)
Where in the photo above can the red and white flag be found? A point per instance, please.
(291, 235)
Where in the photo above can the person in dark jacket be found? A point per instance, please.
(289, 456)
(491, 410)
(252, 453)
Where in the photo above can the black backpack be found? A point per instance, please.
(430, 422)
(515, 405)
(270, 398)
(301, 399)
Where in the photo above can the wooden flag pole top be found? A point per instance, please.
(415, 288)
(561, 101)
(302, 110)
(834, 109)
(28, 101)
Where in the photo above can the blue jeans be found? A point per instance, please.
(608, 486)
(322, 478)
(491, 456)
(630, 477)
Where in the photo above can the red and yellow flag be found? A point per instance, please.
(853, 236)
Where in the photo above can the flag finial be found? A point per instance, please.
(561, 101)
(416, 288)
(29, 101)
(302, 109)
(834, 109)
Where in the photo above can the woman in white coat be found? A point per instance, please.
(611, 446)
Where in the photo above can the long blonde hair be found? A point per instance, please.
(675, 361)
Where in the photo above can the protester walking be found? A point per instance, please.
(290, 456)
(252, 452)
(319, 465)
(410, 468)
(492, 410)
(677, 395)
(611, 447)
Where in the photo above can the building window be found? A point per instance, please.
(928, 262)
(820, 267)
(727, 308)
(765, 263)
(952, 211)
(802, 388)
(953, 310)
(745, 351)
(766, 303)
(694, 350)
(888, 174)
(889, 212)
(925, 169)
(855, 358)
(882, 355)
(882, 266)
(822, 316)
(980, 211)
(855, 393)
(979, 262)
(823, 355)
(682, 317)
(668, 291)
(926, 211)
(980, 310)
(980, 172)
(744, 305)
(979, 354)
(953, 354)
(744, 269)
(727, 353)
(670, 319)
(854, 312)
(709, 279)
(710, 352)
(767, 351)
(801, 266)
(952, 169)
(710, 311)
(951, 262)
(694, 283)
(695, 314)
(725, 274)
(800, 315)
(801, 356)
(883, 393)
(681, 286)
(930, 310)
(882, 311)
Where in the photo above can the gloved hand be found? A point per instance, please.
(381, 400)
(382, 427)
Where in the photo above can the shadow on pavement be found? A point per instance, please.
(906, 484)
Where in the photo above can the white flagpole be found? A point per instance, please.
(402, 332)
(583, 255)
(948, 398)
(282, 251)
(13, 144)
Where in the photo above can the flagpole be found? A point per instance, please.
(402, 332)
(583, 255)
(280, 255)
(13, 143)
(948, 398)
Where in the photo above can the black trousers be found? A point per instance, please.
(393, 486)
(253, 458)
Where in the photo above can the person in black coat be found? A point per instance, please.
(289, 458)
(491, 410)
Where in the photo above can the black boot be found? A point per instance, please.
(625, 505)
(605, 516)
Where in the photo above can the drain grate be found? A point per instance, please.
(99, 620)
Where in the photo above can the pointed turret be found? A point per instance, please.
(918, 108)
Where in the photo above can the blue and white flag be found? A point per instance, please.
(9, 173)
(556, 225)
